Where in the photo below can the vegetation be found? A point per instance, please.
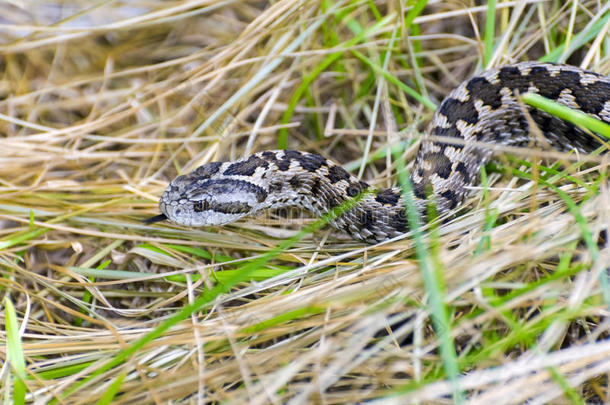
(103, 103)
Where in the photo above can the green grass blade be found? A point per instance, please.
(283, 318)
(396, 81)
(490, 32)
(64, 371)
(414, 13)
(565, 386)
(565, 113)
(282, 141)
(112, 390)
(561, 54)
(432, 283)
(491, 216)
(19, 237)
(15, 352)
(208, 296)
(263, 73)
(586, 233)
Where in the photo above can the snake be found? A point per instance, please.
(482, 111)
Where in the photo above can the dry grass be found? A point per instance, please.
(102, 104)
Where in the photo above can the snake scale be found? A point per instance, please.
(481, 110)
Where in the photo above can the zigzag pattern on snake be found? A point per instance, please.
(483, 109)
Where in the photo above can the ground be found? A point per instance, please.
(102, 104)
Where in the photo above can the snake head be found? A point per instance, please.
(208, 196)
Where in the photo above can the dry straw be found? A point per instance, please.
(103, 103)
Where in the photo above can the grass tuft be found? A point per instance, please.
(102, 105)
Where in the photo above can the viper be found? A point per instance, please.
(483, 110)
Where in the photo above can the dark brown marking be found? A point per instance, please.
(289, 155)
(295, 182)
(201, 205)
(334, 201)
(283, 164)
(337, 173)
(292, 154)
(231, 207)
(387, 197)
(441, 165)
(260, 197)
(355, 188)
(311, 162)
(227, 186)
(269, 156)
(483, 90)
(420, 190)
(276, 187)
(368, 218)
(246, 167)
(511, 77)
(399, 221)
(592, 97)
(207, 170)
(451, 198)
(451, 131)
(463, 170)
(315, 187)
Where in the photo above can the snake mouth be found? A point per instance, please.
(156, 218)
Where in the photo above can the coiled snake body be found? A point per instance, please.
(483, 109)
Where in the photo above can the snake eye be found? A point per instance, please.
(200, 206)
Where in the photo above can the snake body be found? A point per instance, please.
(481, 110)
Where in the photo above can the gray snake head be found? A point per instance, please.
(208, 197)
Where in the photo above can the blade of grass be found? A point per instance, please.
(569, 392)
(561, 54)
(433, 285)
(490, 32)
(207, 297)
(282, 141)
(14, 352)
(579, 118)
(22, 236)
(491, 216)
(415, 46)
(586, 233)
(396, 81)
(283, 318)
(64, 371)
(413, 13)
(87, 296)
(265, 70)
(112, 390)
